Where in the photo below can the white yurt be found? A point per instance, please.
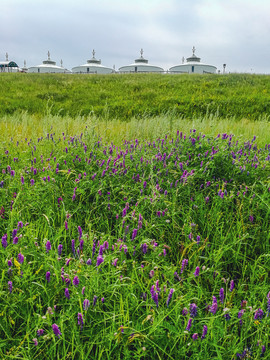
(8, 66)
(48, 66)
(93, 66)
(141, 66)
(193, 65)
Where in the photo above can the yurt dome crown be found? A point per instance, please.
(49, 61)
(93, 60)
(141, 59)
(193, 58)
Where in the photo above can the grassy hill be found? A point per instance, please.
(139, 95)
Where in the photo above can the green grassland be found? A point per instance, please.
(136, 95)
(134, 217)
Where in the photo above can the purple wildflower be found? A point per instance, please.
(102, 300)
(89, 262)
(95, 300)
(80, 232)
(10, 286)
(20, 258)
(195, 337)
(4, 241)
(144, 248)
(86, 304)
(204, 332)
(20, 224)
(80, 320)
(22, 180)
(76, 281)
(35, 341)
(184, 264)
(154, 295)
(114, 263)
(83, 290)
(189, 325)
(198, 239)
(193, 310)
(214, 307)
(32, 181)
(40, 332)
(56, 330)
(184, 311)
(197, 271)
(48, 276)
(73, 246)
(221, 295)
(99, 260)
(134, 233)
(48, 246)
(66, 225)
(67, 295)
(169, 296)
(231, 285)
(258, 314)
(60, 249)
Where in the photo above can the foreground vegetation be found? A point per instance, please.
(137, 239)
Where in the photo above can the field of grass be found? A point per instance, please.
(141, 235)
(126, 96)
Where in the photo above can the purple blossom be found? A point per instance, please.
(185, 311)
(48, 276)
(221, 295)
(73, 246)
(154, 295)
(10, 286)
(198, 239)
(95, 300)
(4, 241)
(189, 325)
(80, 232)
(134, 233)
(56, 330)
(60, 249)
(214, 307)
(197, 271)
(204, 332)
(76, 281)
(144, 248)
(32, 181)
(99, 260)
(114, 263)
(89, 262)
(258, 314)
(20, 258)
(40, 332)
(195, 337)
(86, 304)
(231, 285)
(20, 224)
(193, 310)
(48, 246)
(184, 265)
(66, 225)
(67, 295)
(169, 296)
(83, 290)
(80, 320)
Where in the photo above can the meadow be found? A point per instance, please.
(134, 224)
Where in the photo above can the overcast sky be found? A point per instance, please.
(234, 32)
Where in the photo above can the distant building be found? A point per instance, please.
(93, 66)
(141, 66)
(193, 65)
(8, 66)
(48, 66)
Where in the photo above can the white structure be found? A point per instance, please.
(8, 66)
(93, 66)
(193, 65)
(48, 66)
(141, 66)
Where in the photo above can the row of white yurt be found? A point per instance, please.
(93, 66)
